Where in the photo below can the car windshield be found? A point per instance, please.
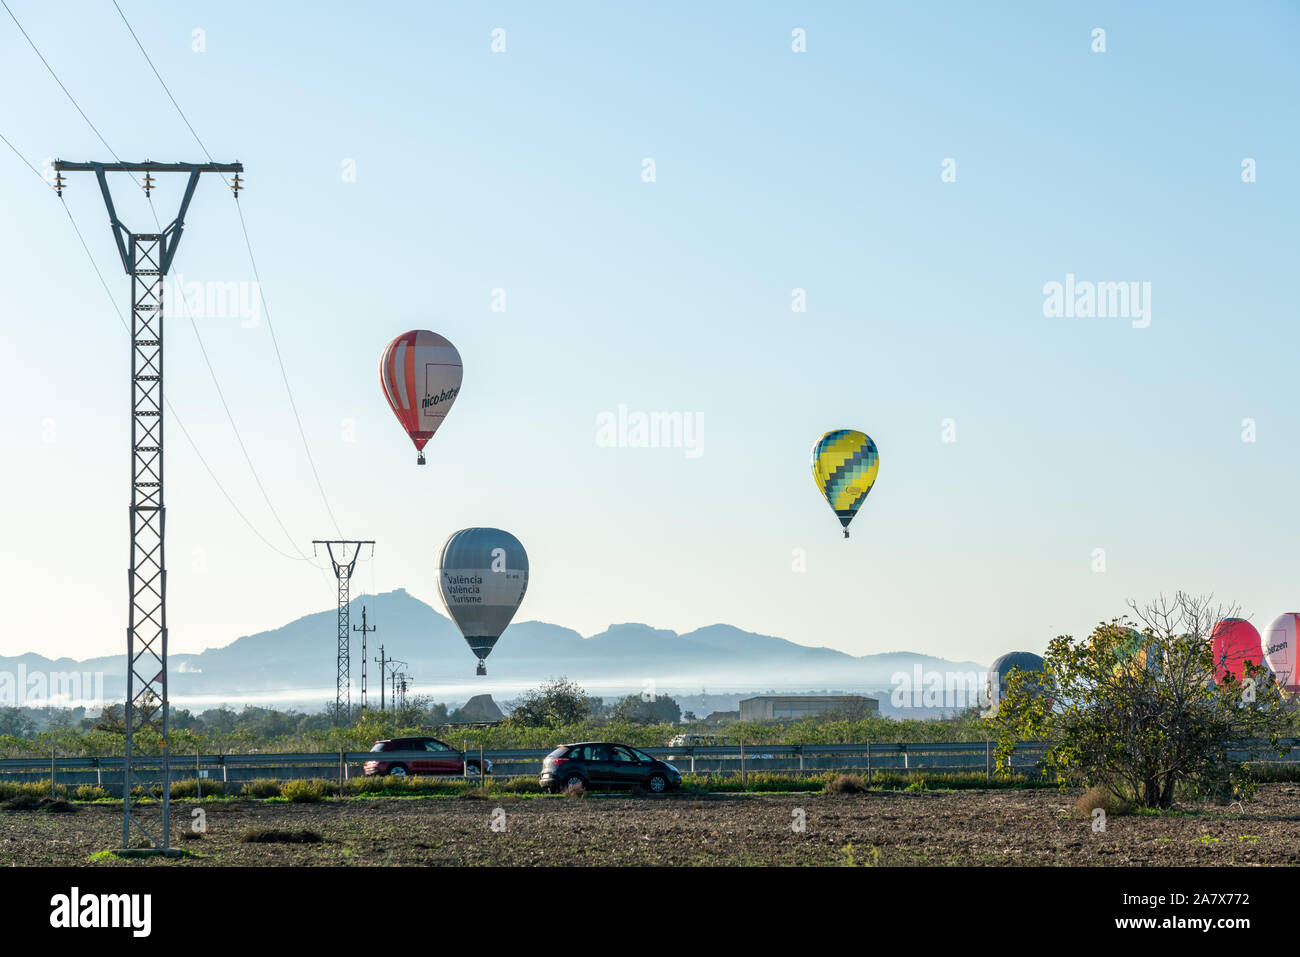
(379, 746)
(641, 755)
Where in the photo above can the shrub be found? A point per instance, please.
(263, 835)
(261, 788)
(34, 788)
(306, 791)
(1104, 798)
(196, 787)
(90, 792)
(846, 784)
(29, 802)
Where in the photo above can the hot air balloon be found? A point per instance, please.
(844, 464)
(1000, 672)
(1233, 642)
(482, 575)
(421, 373)
(1278, 643)
(1134, 653)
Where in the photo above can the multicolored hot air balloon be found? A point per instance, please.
(1233, 642)
(421, 373)
(1134, 653)
(482, 576)
(844, 464)
(1278, 643)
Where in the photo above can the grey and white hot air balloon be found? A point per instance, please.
(482, 577)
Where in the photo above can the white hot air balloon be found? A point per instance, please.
(482, 577)
(1278, 642)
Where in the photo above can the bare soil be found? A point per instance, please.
(1029, 827)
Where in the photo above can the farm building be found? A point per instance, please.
(787, 707)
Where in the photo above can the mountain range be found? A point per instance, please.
(294, 665)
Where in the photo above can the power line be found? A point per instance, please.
(170, 408)
(243, 225)
(221, 395)
(203, 349)
(163, 82)
(57, 80)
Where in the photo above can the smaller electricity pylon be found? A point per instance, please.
(363, 629)
(343, 568)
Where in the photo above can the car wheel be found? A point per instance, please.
(574, 781)
(657, 784)
(398, 771)
(472, 769)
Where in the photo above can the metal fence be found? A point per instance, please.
(935, 757)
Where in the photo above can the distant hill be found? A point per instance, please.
(295, 662)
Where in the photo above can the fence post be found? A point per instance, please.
(99, 773)
(221, 756)
(988, 761)
(743, 780)
(800, 747)
(482, 767)
(342, 764)
(692, 759)
(868, 764)
(52, 770)
(198, 777)
(464, 753)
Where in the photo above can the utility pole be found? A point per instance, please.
(146, 258)
(363, 629)
(382, 676)
(399, 686)
(343, 568)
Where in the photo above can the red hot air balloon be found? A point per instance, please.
(421, 373)
(1233, 642)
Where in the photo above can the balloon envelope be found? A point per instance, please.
(1278, 643)
(1233, 642)
(482, 577)
(420, 372)
(844, 464)
(1000, 673)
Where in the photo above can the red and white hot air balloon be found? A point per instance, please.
(1278, 643)
(421, 373)
(1233, 642)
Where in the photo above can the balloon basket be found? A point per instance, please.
(419, 460)
(482, 669)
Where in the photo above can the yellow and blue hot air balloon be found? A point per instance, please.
(844, 464)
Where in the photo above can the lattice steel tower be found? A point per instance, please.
(146, 257)
(343, 568)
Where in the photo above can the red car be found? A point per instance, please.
(436, 758)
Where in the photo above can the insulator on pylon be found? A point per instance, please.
(59, 182)
(148, 184)
(236, 186)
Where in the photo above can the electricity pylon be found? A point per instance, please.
(363, 629)
(146, 257)
(343, 568)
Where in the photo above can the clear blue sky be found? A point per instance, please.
(775, 170)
